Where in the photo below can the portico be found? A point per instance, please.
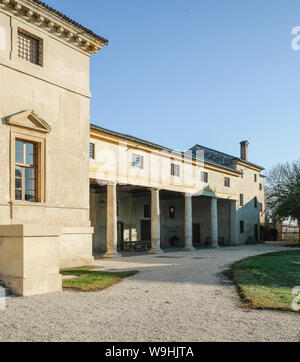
(154, 219)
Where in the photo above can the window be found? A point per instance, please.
(260, 187)
(204, 177)
(26, 171)
(241, 200)
(255, 202)
(172, 212)
(29, 47)
(226, 181)
(92, 151)
(137, 161)
(255, 177)
(147, 211)
(242, 227)
(261, 207)
(175, 170)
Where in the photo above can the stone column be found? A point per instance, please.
(188, 223)
(155, 222)
(234, 227)
(111, 222)
(214, 223)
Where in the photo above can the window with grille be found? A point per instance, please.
(29, 47)
(204, 176)
(175, 170)
(137, 161)
(241, 200)
(26, 171)
(92, 151)
(226, 181)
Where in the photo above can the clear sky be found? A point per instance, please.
(181, 72)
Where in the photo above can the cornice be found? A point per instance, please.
(54, 23)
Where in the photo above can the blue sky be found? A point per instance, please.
(181, 72)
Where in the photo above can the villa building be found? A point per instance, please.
(69, 190)
(44, 138)
(145, 194)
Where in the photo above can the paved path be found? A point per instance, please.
(175, 297)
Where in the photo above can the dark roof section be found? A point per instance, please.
(130, 138)
(156, 146)
(67, 19)
(222, 158)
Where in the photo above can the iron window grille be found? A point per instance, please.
(30, 47)
(137, 161)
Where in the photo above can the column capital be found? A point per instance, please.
(111, 183)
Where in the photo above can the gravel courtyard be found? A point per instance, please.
(176, 296)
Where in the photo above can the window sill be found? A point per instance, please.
(27, 203)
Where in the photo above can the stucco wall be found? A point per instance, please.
(59, 93)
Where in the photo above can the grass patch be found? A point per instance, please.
(266, 281)
(92, 281)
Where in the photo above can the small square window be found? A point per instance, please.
(172, 212)
(226, 181)
(30, 47)
(137, 161)
(175, 170)
(92, 151)
(204, 176)
(147, 211)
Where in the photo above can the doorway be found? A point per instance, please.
(145, 230)
(196, 234)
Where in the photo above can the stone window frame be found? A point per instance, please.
(40, 164)
(22, 64)
(28, 127)
(39, 43)
(227, 181)
(204, 177)
(175, 170)
(137, 161)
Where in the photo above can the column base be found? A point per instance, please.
(156, 251)
(188, 248)
(215, 246)
(112, 254)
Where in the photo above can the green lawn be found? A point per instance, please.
(267, 281)
(92, 281)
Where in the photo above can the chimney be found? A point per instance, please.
(244, 150)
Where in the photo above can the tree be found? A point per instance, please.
(283, 192)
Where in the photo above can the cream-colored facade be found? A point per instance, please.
(131, 192)
(45, 106)
(215, 198)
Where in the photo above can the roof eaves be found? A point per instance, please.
(70, 21)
